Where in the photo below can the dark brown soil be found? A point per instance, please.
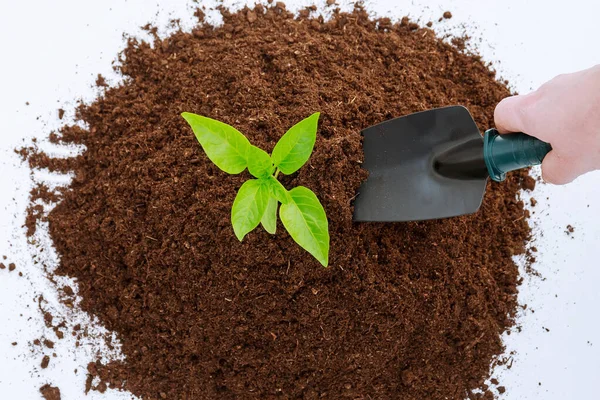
(50, 392)
(45, 362)
(101, 81)
(528, 183)
(405, 311)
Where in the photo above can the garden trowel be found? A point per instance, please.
(435, 164)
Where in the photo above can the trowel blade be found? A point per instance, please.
(422, 166)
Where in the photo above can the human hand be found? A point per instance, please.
(564, 112)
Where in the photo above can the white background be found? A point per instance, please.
(52, 51)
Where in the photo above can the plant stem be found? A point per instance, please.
(276, 173)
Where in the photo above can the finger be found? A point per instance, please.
(512, 114)
(557, 170)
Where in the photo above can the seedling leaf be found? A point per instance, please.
(224, 145)
(269, 218)
(249, 206)
(256, 201)
(293, 150)
(259, 162)
(278, 191)
(305, 220)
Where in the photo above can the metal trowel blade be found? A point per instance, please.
(422, 166)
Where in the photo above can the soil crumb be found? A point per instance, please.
(11, 267)
(45, 362)
(447, 15)
(528, 183)
(50, 392)
(405, 311)
(101, 81)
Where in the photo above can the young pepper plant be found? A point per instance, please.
(257, 199)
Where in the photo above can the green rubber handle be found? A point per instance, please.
(504, 153)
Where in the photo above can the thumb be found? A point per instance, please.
(513, 114)
(556, 169)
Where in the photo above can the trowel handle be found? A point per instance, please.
(503, 153)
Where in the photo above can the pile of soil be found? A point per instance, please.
(404, 311)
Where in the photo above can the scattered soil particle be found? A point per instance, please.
(570, 229)
(460, 42)
(447, 15)
(14, 343)
(429, 24)
(2, 266)
(92, 371)
(48, 319)
(49, 343)
(35, 213)
(528, 183)
(50, 392)
(68, 290)
(533, 202)
(330, 2)
(61, 113)
(11, 267)
(407, 311)
(494, 381)
(501, 389)
(101, 81)
(45, 362)
(101, 387)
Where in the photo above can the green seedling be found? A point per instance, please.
(257, 200)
